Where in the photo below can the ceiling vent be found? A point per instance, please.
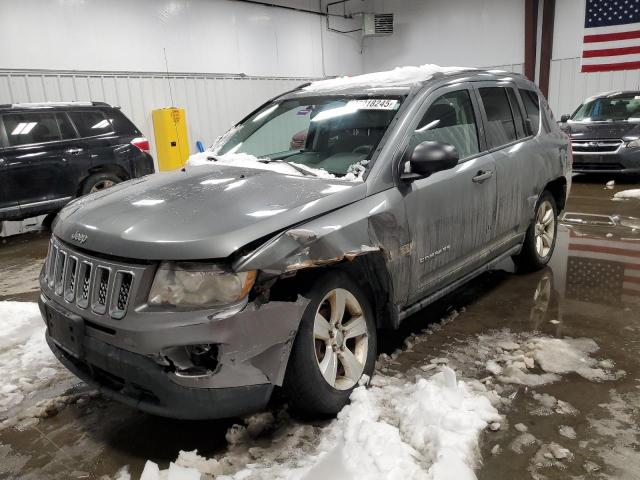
(377, 24)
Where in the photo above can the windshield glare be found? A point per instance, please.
(609, 109)
(330, 133)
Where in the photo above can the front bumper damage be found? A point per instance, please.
(252, 351)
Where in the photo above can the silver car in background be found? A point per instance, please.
(330, 213)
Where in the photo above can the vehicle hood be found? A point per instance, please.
(602, 130)
(198, 213)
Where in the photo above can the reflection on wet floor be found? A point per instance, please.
(591, 289)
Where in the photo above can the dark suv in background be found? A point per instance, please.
(51, 153)
(605, 133)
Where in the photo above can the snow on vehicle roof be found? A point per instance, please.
(399, 76)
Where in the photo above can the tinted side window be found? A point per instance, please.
(92, 123)
(25, 128)
(532, 107)
(66, 129)
(521, 128)
(121, 124)
(500, 128)
(450, 119)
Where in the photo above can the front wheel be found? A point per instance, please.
(335, 345)
(540, 239)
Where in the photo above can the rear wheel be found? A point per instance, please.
(98, 182)
(540, 239)
(335, 345)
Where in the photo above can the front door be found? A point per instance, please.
(9, 207)
(40, 164)
(451, 213)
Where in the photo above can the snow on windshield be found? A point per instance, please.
(397, 76)
(244, 160)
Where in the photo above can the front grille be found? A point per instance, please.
(87, 282)
(596, 147)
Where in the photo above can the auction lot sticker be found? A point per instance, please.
(374, 104)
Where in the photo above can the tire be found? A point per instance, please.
(540, 239)
(98, 182)
(305, 386)
(47, 222)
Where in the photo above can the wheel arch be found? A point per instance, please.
(558, 189)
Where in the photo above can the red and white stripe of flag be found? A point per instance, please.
(611, 48)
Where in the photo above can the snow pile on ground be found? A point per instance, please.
(397, 76)
(244, 160)
(26, 363)
(627, 194)
(425, 429)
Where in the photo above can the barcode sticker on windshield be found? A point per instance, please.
(374, 104)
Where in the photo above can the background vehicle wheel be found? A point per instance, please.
(98, 182)
(334, 347)
(540, 239)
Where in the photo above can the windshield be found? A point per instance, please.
(329, 133)
(609, 109)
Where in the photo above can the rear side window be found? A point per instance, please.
(90, 124)
(66, 128)
(532, 107)
(121, 124)
(450, 119)
(31, 127)
(501, 128)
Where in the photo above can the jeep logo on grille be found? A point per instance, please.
(79, 237)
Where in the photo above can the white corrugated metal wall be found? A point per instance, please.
(568, 87)
(213, 103)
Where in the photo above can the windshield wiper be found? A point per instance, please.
(292, 165)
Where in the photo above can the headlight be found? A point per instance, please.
(198, 285)
(634, 143)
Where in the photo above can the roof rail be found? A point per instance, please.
(56, 104)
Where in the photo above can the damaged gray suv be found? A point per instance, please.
(330, 213)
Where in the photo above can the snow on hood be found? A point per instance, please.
(397, 76)
(244, 160)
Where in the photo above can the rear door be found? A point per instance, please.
(38, 160)
(510, 136)
(98, 136)
(451, 213)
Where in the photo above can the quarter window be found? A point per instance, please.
(501, 128)
(26, 128)
(517, 114)
(90, 124)
(450, 119)
(532, 107)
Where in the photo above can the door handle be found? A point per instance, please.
(73, 151)
(482, 175)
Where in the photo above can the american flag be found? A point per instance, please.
(603, 271)
(611, 35)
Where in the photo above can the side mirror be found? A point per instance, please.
(565, 118)
(430, 157)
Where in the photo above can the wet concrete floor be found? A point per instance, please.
(591, 289)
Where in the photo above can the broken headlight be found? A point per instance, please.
(198, 285)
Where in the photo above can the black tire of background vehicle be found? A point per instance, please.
(304, 386)
(528, 260)
(48, 220)
(97, 179)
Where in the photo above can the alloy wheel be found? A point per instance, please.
(545, 229)
(101, 185)
(341, 340)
